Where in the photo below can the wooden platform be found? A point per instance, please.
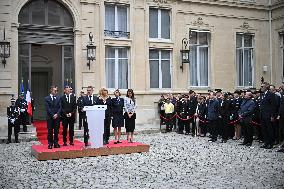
(41, 152)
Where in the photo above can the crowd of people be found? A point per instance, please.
(119, 112)
(249, 114)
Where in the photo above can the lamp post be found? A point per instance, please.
(91, 50)
(4, 49)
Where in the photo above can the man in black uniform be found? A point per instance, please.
(256, 115)
(192, 104)
(68, 105)
(89, 100)
(13, 113)
(280, 116)
(80, 104)
(237, 101)
(219, 97)
(23, 105)
(182, 112)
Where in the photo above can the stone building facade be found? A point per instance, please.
(233, 44)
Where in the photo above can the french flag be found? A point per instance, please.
(29, 101)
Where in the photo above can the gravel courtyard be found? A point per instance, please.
(174, 161)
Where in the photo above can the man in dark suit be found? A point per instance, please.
(267, 115)
(245, 114)
(192, 105)
(213, 115)
(53, 111)
(80, 104)
(68, 105)
(280, 116)
(89, 100)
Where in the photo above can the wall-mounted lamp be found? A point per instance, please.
(4, 49)
(185, 50)
(91, 50)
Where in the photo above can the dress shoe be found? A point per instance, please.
(56, 146)
(49, 147)
(212, 140)
(264, 146)
(86, 144)
(243, 144)
(65, 144)
(186, 133)
(17, 141)
(115, 142)
(269, 146)
(249, 144)
(223, 141)
(281, 150)
(72, 143)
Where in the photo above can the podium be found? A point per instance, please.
(95, 118)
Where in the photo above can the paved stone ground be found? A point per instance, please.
(174, 161)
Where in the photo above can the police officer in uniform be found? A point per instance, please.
(89, 100)
(23, 105)
(182, 112)
(80, 104)
(237, 101)
(13, 113)
(192, 108)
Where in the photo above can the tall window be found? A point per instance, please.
(116, 21)
(116, 60)
(244, 54)
(199, 50)
(160, 68)
(159, 23)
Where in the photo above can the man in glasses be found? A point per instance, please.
(89, 100)
(53, 111)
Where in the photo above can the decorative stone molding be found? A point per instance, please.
(245, 27)
(199, 22)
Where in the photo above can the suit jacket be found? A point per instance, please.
(281, 106)
(52, 106)
(226, 109)
(88, 102)
(246, 110)
(192, 104)
(117, 105)
(213, 109)
(268, 105)
(68, 107)
(108, 102)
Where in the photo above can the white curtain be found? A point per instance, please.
(153, 23)
(122, 68)
(110, 67)
(166, 73)
(110, 18)
(203, 66)
(240, 66)
(247, 67)
(122, 18)
(165, 24)
(154, 68)
(193, 66)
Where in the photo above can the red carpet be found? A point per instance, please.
(41, 132)
(41, 152)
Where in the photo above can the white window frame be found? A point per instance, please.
(252, 58)
(116, 67)
(198, 46)
(159, 25)
(160, 68)
(116, 17)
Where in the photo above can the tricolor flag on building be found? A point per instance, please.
(29, 101)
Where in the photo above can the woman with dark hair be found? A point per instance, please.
(117, 113)
(105, 99)
(130, 105)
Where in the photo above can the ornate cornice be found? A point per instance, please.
(246, 28)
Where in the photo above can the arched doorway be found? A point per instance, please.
(46, 54)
